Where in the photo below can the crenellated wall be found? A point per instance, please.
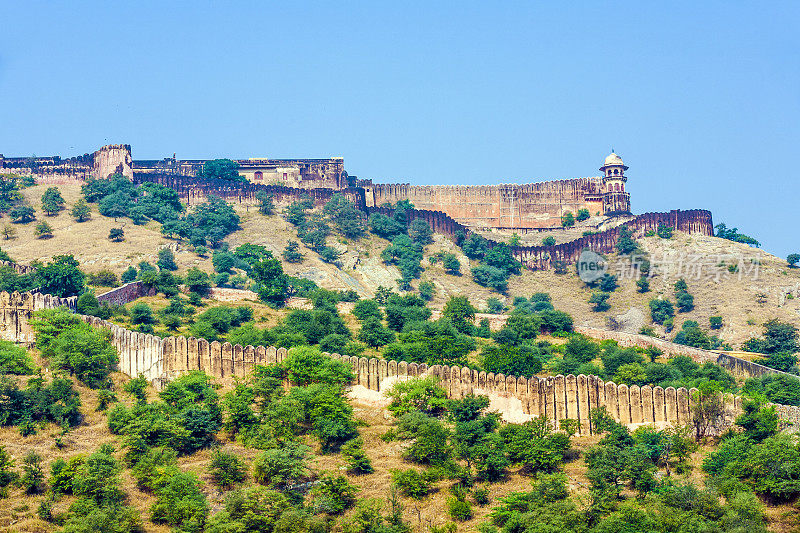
(16, 310)
(195, 190)
(126, 293)
(54, 170)
(516, 398)
(695, 221)
(532, 205)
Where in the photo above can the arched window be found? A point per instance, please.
(616, 171)
(259, 175)
(616, 187)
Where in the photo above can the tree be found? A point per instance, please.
(22, 214)
(266, 206)
(61, 277)
(661, 310)
(427, 290)
(451, 264)
(273, 284)
(665, 232)
(643, 284)
(715, 322)
(568, 219)
(115, 205)
(583, 214)
(81, 211)
(420, 231)
(460, 312)
(708, 409)
(9, 231)
(166, 259)
(198, 281)
(549, 241)
(625, 242)
(600, 301)
(116, 235)
(292, 254)
(52, 201)
(129, 275)
(142, 313)
(43, 230)
(792, 260)
(223, 169)
(374, 333)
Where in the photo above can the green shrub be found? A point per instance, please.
(15, 359)
(280, 467)
(334, 495)
(413, 483)
(32, 479)
(460, 510)
(419, 394)
(357, 459)
(306, 365)
(180, 503)
(226, 469)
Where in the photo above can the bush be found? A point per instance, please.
(280, 467)
(306, 365)
(116, 235)
(430, 445)
(73, 345)
(661, 310)
(102, 278)
(419, 394)
(334, 495)
(357, 460)
(226, 469)
(32, 479)
(427, 290)
(142, 313)
(413, 483)
(291, 254)
(549, 241)
(15, 359)
(166, 259)
(180, 502)
(458, 509)
(129, 275)
(43, 230)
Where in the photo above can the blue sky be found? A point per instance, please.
(702, 101)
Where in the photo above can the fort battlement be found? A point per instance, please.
(516, 398)
(523, 206)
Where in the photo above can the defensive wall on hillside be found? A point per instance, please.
(696, 221)
(194, 191)
(516, 398)
(533, 205)
(512, 206)
(108, 160)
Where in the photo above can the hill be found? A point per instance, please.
(744, 304)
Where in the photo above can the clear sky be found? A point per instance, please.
(702, 100)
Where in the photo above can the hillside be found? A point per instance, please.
(743, 303)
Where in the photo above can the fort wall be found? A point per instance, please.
(54, 170)
(516, 398)
(533, 205)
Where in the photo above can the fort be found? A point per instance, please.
(506, 206)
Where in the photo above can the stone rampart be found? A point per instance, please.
(56, 171)
(125, 294)
(531, 205)
(516, 398)
(16, 310)
(741, 368)
(695, 221)
(196, 190)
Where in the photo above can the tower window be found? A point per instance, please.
(259, 175)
